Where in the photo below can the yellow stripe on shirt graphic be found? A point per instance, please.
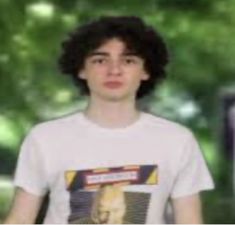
(153, 178)
(69, 177)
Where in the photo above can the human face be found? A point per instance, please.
(110, 206)
(112, 72)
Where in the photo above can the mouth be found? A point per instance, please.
(113, 84)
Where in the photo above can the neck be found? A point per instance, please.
(112, 114)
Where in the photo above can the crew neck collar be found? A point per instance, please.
(95, 126)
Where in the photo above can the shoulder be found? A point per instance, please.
(167, 127)
(55, 127)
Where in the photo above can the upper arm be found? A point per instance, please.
(187, 210)
(24, 208)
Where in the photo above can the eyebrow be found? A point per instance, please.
(97, 53)
(131, 54)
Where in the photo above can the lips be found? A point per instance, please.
(113, 84)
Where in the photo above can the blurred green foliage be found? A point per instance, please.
(6, 193)
(200, 36)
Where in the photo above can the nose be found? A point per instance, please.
(115, 68)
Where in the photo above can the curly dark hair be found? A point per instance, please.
(137, 36)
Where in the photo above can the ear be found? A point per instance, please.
(82, 75)
(145, 76)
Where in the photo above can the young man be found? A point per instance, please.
(115, 60)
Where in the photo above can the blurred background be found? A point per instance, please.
(199, 91)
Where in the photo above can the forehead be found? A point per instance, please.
(113, 45)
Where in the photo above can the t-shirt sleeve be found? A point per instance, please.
(30, 172)
(193, 175)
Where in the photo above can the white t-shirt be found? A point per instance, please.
(94, 172)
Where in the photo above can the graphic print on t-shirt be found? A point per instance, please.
(98, 196)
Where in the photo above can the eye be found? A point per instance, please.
(98, 60)
(130, 60)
